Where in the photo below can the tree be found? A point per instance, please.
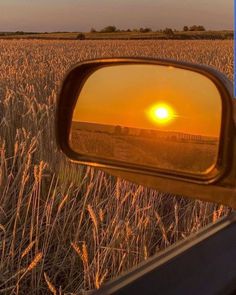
(193, 28)
(185, 28)
(201, 28)
(125, 131)
(93, 30)
(109, 29)
(118, 130)
(145, 30)
(197, 28)
(168, 31)
(20, 33)
(80, 36)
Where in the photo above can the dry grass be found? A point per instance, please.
(65, 228)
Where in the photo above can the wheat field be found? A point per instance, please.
(66, 229)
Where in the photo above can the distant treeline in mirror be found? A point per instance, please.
(135, 132)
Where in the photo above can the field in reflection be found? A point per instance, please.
(153, 148)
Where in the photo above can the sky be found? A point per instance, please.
(82, 15)
(192, 100)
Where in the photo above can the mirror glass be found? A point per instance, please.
(150, 115)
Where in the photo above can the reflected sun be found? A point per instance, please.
(161, 113)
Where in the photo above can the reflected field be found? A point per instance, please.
(154, 148)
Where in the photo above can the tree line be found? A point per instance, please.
(114, 29)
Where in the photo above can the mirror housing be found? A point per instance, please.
(213, 186)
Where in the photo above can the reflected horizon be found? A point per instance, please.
(110, 127)
(138, 96)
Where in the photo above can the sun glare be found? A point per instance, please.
(161, 113)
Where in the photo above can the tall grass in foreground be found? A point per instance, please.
(63, 228)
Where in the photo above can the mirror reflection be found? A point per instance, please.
(150, 115)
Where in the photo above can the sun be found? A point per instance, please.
(161, 113)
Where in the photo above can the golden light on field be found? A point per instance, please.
(161, 113)
(28, 87)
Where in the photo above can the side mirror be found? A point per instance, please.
(149, 120)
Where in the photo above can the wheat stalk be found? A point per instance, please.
(93, 217)
(35, 261)
(51, 287)
(27, 250)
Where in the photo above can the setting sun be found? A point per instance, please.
(161, 113)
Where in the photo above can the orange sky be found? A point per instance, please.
(124, 95)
